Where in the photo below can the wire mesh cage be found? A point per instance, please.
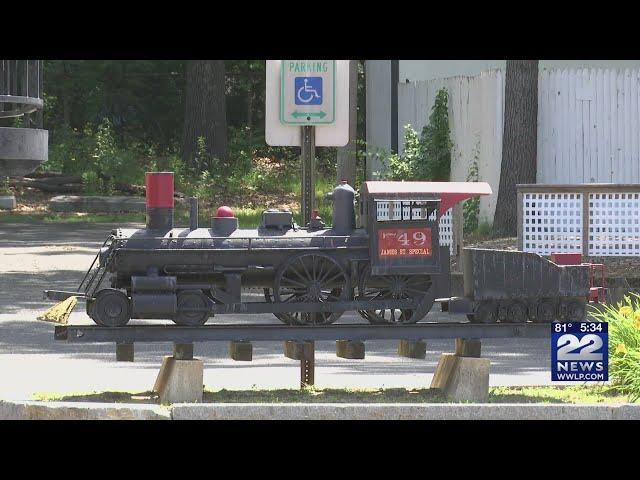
(23, 141)
(20, 87)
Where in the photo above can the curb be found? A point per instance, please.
(403, 411)
(39, 410)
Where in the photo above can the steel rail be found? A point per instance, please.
(261, 332)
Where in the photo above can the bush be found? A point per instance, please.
(624, 345)
(436, 140)
(471, 207)
(4, 186)
(94, 185)
(426, 156)
(96, 151)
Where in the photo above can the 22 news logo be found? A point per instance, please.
(579, 352)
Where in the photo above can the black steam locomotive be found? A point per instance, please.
(391, 269)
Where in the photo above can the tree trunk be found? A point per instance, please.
(66, 98)
(205, 111)
(519, 141)
(250, 107)
(347, 155)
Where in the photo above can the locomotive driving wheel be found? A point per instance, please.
(391, 287)
(283, 317)
(310, 277)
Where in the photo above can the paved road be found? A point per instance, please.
(35, 257)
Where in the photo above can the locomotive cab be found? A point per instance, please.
(402, 221)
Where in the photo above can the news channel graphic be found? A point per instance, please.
(580, 352)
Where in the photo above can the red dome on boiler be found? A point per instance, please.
(225, 212)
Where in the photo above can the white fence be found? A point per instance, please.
(596, 220)
(447, 231)
(475, 114)
(588, 125)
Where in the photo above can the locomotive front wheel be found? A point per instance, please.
(396, 287)
(192, 308)
(311, 277)
(111, 308)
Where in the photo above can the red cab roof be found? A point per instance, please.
(450, 193)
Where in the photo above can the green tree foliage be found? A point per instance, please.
(436, 139)
(471, 207)
(426, 156)
(142, 99)
(109, 121)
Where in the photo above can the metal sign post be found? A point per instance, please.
(308, 98)
(308, 172)
(307, 105)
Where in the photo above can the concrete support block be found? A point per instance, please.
(350, 349)
(295, 350)
(241, 351)
(22, 150)
(7, 202)
(411, 349)
(183, 351)
(124, 352)
(180, 381)
(462, 379)
(468, 348)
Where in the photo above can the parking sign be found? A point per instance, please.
(308, 92)
(314, 95)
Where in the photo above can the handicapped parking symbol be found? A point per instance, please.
(308, 90)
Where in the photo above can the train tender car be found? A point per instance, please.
(513, 286)
(390, 269)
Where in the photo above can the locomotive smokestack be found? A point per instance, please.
(159, 200)
(344, 213)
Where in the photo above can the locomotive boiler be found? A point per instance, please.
(390, 268)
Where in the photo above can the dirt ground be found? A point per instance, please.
(34, 202)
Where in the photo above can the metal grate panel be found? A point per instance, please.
(552, 222)
(446, 230)
(614, 224)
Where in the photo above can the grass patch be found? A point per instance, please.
(247, 200)
(560, 394)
